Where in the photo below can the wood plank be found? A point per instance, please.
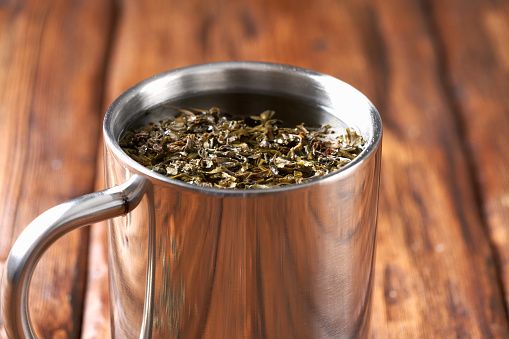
(431, 233)
(96, 313)
(156, 36)
(52, 56)
(96, 316)
(474, 39)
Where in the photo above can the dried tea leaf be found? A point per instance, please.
(207, 148)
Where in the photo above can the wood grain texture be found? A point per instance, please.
(431, 232)
(96, 313)
(96, 323)
(52, 57)
(430, 228)
(438, 71)
(474, 41)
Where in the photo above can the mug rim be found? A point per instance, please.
(369, 150)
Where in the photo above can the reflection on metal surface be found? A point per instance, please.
(287, 264)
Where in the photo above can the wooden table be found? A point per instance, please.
(438, 71)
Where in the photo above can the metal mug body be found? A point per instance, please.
(292, 262)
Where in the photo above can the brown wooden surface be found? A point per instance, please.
(438, 71)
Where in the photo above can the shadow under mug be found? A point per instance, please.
(195, 262)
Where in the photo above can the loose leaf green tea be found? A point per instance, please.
(208, 148)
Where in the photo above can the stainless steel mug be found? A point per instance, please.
(194, 262)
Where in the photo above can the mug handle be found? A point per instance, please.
(43, 232)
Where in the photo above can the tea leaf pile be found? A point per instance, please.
(205, 147)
